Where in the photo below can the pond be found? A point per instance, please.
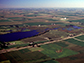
(17, 35)
(20, 35)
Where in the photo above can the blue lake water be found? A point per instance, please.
(17, 35)
(21, 35)
(71, 28)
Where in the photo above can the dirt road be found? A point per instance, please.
(15, 49)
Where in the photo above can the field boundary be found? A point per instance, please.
(14, 49)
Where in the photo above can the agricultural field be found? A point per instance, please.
(78, 58)
(80, 37)
(53, 32)
(15, 18)
(81, 20)
(80, 43)
(55, 51)
(5, 21)
(62, 44)
(17, 46)
(26, 56)
(43, 23)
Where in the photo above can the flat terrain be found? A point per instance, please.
(60, 37)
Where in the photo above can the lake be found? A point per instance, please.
(17, 35)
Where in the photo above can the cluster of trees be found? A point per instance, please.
(33, 44)
(4, 44)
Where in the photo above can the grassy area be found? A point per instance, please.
(62, 44)
(26, 57)
(36, 49)
(5, 21)
(24, 50)
(17, 45)
(25, 30)
(50, 51)
(17, 42)
(75, 42)
(80, 37)
(56, 34)
(21, 44)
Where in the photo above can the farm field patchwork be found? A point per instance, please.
(80, 37)
(42, 41)
(17, 45)
(80, 43)
(34, 15)
(15, 18)
(26, 56)
(81, 20)
(44, 23)
(27, 35)
(51, 51)
(78, 58)
(62, 44)
(36, 49)
(5, 21)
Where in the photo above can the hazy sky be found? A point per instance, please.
(41, 3)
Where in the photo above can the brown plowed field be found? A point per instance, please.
(77, 48)
(2, 57)
(79, 58)
(8, 16)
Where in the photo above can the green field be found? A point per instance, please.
(36, 49)
(50, 51)
(56, 34)
(21, 44)
(80, 37)
(15, 18)
(17, 42)
(62, 44)
(26, 56)
(4, 21)
(25, 30)
(24, 50)
(81, 20)
(17, 45)
(43, 23)
(75, 42)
